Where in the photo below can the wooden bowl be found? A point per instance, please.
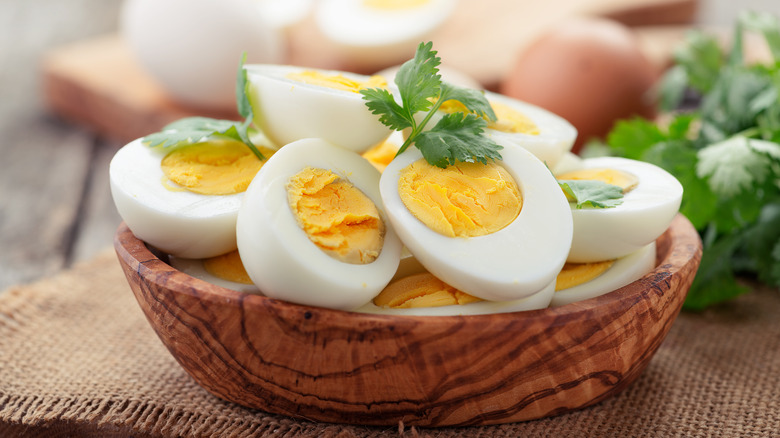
(335, 366)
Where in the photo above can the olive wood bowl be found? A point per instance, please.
(335, 366)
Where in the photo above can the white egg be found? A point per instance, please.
(192, 47)
(645, 213)
(625, 270)
(539, 300)
(568, 162)
(278, 254)
(283, 14)
(195, 268)
(179, 222)
(512, 263)
(288, 110)
(371, 34)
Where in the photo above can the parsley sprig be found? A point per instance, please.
(592, 193)
(724, 147)
(456, 136)
(191, 130)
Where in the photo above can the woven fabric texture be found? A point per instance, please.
(78, 358)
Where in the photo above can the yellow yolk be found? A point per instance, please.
(381, 155)
(463, 200)
(227, 267)
(216, 167)
(421, 290)
(339, 218)
(619, 178)
(507, 119)
(338, 82)
(394, 4)
(574, 274)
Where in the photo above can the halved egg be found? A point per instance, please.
(499, 232)
(291, 103)
(224, 270)
(184, 200)
(425, 295)
(312, 228)
(651, 199)
(612, 275)
(371, 34)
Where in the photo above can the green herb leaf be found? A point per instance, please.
(592, 193)
(767, 24)
(737, 164)
(701, 57)
(455, 137)
(715, 280)
(192, 130)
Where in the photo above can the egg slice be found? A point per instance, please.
(371, 34)
(648, 207)
(222, 270)
(622, 271)
(312, 228)
(546, 135)
(291, 103)
(513, 262)
(190, 208)
(539, 300)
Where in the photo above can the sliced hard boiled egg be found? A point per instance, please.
(651, 199)
(618, 273)
(312, 228)
(183, 201)
(224, 270)
(475, 233)
(371, 34)
(291, 103)
(425, 295)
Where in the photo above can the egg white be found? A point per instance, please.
(512, 263)
(539, 300)
(178, 222)
(287, 110)
(195, 268)
(367, 37)
(625, 270)
(646, 212)
(278, 255)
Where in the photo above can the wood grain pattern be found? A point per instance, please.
(335, 366)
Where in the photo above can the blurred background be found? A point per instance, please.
(80, 78)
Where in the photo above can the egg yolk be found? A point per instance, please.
(462, 200)
(338, 218)
(507, 119)
(394, 4)
(574, 274)
(227, 266)
(624, 180)
(216, 167)
(421, 290)
(338, 82)
(382, 154)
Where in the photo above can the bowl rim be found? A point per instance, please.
(677, 248)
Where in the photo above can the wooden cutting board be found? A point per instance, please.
(98, 83)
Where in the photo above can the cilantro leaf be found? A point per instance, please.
(631, 138)
(392, 115)
(592, 193)
(242, 87)
(737, 164)
(701, 58)
(418, 79)
(715, 280)
(456, 137)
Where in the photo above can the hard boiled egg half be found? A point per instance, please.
(291, 103)
(499, 232)
(312, 228)
(183, 200)
(651, 199)
(225, 270)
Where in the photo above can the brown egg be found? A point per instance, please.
(589, 71)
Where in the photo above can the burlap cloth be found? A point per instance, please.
(77, 358)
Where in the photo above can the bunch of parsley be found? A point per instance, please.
(725, 150)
